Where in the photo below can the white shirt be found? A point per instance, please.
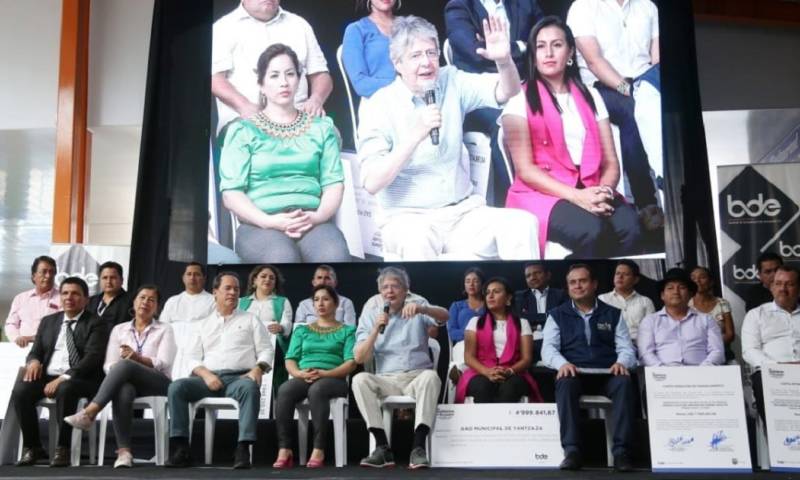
(345, 311)
(187, 307)
(238, 343)
(624, 33)
(263, 310)
(770, 334)
(541, 299)
(59, 361)
(499, 333)
(238, 41)
(574, 130)
(634, 308)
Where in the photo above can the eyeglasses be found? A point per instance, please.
(417, 56)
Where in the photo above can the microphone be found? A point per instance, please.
(382, 328)
(430, 99)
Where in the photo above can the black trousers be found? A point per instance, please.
(319, 394)
(483, 390)
(592, 236)
(25, 395)
(758, 393)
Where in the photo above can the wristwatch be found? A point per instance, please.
(264, 366)
(624, 88)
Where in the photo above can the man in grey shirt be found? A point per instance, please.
(410, 150)
(345, 311)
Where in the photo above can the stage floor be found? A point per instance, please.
(260, 473)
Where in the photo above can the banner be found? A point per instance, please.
(696, 419)
(782, 401)
(78, 260)
(496, 435)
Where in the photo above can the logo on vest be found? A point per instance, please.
(604, 326)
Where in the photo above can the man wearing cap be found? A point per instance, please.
(678, 334)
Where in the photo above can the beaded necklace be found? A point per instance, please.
(297, 127)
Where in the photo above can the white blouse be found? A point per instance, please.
(499, 334)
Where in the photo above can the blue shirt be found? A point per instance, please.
(365, 54)
(551, 355)
(460, 315)
(403, 346)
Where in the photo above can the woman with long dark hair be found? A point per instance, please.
(559, 137)
(706, 302)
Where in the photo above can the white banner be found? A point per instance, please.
(696, 419)
(496, 435)
(79, 260)
(782, 401)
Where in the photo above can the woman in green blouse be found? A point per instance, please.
(319, 359)
(281, 173)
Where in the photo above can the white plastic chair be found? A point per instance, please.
(77, 434)
(158, 404)
(447, 51)
(602, 405)
(762, 446)
(212, 405)
(339, 407)
(350, 103)
(396, 402)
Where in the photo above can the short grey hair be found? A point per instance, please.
(395, 272)
(328, 269)
(407, 29)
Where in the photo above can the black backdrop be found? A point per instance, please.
(170, 220)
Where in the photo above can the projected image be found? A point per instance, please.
(375, 130)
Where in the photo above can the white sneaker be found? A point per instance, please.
(80, 421)
(124, 459)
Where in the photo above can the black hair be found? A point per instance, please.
(478, 273)
(271, 52)
(196, 264)
(40, 259)
(149, 286)
(75, 281)
(537, 264)
(116, 266)
(218, 278)
(251, 279)
(585, 266)
(331, 291)
(509, 308)
(768, 257)
(632, 265)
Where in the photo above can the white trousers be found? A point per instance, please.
(369, 390)
(647, 113)
(468, 230)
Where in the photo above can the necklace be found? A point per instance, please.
(297, 127)
(315, 327)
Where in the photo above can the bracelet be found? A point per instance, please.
(624, 88)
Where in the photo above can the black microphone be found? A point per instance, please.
(382, 328)
(430, 99)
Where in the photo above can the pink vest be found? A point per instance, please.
(551, 155)
(487, 355)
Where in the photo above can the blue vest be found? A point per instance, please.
(601, 352)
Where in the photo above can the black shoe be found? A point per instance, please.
(623, 463)
(60, 457)
(571, 462)
(180, 458)
(31, 455)
(241, 459)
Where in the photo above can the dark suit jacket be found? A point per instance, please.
(91, 339)
(525, 305)
(118, 311)
(464, 19)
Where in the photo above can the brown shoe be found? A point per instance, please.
(31, 455)
(60, 457)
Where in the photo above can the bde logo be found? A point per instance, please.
(753, 208)
(787, 250)
(750, 273)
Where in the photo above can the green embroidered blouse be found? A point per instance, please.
(316, 347)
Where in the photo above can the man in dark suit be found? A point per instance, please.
(464, 22)
(759, 293)
(66, 364)
(112, 303)
(534, 302)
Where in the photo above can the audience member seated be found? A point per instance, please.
(241, 36)
(422, 181)
(281, 173)
(618, 52)
(345, 311)
(319, 359)
(462, 311)
(634, 306)
(533, 303)
(365, 47)
(498, 349)
(65, 364)
(112, 303)
(229, 353)
(760, 293)
(464, 23)
(678, 334)
(559, 138)
(717, 307)
(769, 331)
(28, 307)
(589, 334)
(398, 340)
(138, 363)
(193, 303)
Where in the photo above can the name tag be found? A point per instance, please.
(604, 327)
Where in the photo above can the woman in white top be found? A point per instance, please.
(138, 363)
(558, 134)
(706, 302)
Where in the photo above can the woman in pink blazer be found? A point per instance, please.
(559, 137)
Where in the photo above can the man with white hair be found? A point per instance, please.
(412, 158)
(396, 335)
